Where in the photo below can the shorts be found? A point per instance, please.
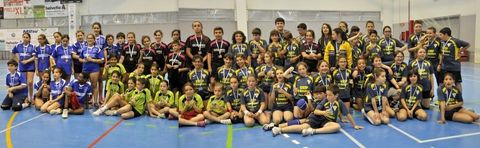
(136, 113)
(28, 70)
(449, 114)
(368, 108)
(189, 115)
(286, 107)
(317, 122)
(204, 94)
(345, 99)
(415, 110)
(426, 94)
(265, 88)
(77, 68)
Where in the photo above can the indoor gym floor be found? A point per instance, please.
(29, 128)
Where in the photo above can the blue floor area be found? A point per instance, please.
(33, 129)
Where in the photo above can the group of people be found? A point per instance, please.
(288, 84)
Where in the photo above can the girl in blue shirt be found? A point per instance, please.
(91, 57)
(43, 53)
(78, 46)
(63, 58)
(25, 53)
(53, 105)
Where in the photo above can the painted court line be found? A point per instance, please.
(352, 138)
(8, 128)
(229, 136)
(104, 134)
(295, 142)
(405, 133)
(450, 137)
(8, 138)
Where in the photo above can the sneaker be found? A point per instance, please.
(201, 123)
(276, 131)
(25, 105)
(267, 127)
(207, 121)
(307, 132)
(56, 111)
(65, 114)
(110, 113)
(98, 112)
(226, 121)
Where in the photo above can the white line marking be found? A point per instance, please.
(286, 136)
(295, 141)
(477, 123)
(450, 137)
(305, 147)
(38, 116)
(405, 133)
(352, 138)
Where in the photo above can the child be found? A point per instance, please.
(163, 101)
(147, 54)
(415, 38)
(240, 47)
(217, 107)
(359, 77)
(399, 69)
(176, 38)
(372, 49)
(326, 36)
(425, 70)
(190, 107)
(136, 103)
(226, 71)
(161, 51)
(114, 86)
(343, 79)
(303, 85)
(257, 46)
(218, 48)
(199, 77)
(265, 72)
(388, 45)
(197, 43)
(63, 57)
(451, 102)
(25, 55)
(82, 89)
(253, 104)
(138, 73)
(433, 46)
(58, 40)
(130, 53)
(57, 86)
(110, 48)
(450, 58)
(122, 101)
(100, 41)
(113, 65)
(311, 52)
(291, 50)
(412, 94)
(301, 28)
(275, 47)
(282, 98)
(176, 67)
(279, 27)
(243, 71)
(120, 41)
(369, 27)
(77, 48)
(234, 97)
(92, 57)
(322, 120)
(71, 103)
(43, 89)
(357, 49)
(339, 46)
(154, 79)
(376, 103)
(323, 76)
(43, 54)
(17, 88)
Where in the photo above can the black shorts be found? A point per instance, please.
(449, 114)
(265, 88)
(426, 94)
(77, 68)
(204, 94)
(27, 71)
(368, 108)
(136, 113)
(287, 107)
(345, 99)
(415, 110)
(317, 122)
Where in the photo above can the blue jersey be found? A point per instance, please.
(56, 88)
(343, 79)
(252, 99)
(43, 55)
(54, 46)
(77, 48)
(333, 110)
(63, 58)
(92, 52)
(114, 49)
(16, 79)
(376, 92)
(24, 52)
(83, 91)
(100, 42)
(425, 70)
(37, 85)
(451, 54)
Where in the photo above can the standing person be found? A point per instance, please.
(77, 47)
(279, 27)
(326, 36)
(311, 51)
(218, 48)
(63, 58)
(414, 39)
(450, 59)
(302, 30)
(388, 45)
(197, 44)
(177, 68)
(369, 27)
(344, 26)
(257, 46)
(240, 47)
(130, 54)
(25, 55)
(147, 54)
(91, 57)
(433, 46)
(161, 51)
(176, 37)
